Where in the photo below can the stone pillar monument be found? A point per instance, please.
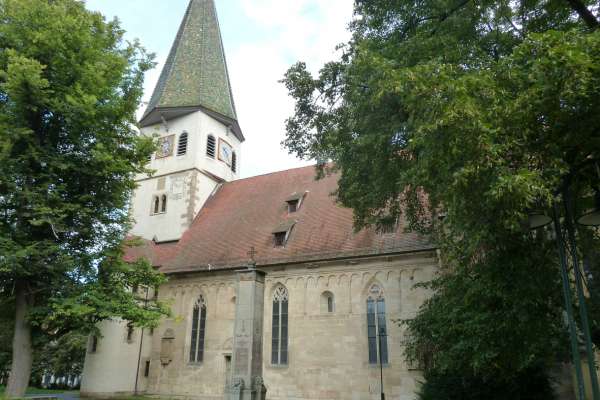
(247, 360)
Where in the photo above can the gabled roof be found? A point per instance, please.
(195, 75)
(243, 214)
(156, 253)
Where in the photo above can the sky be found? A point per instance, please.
(262, 39)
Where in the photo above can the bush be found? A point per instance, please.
(533, 384)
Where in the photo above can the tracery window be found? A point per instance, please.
(182, 144)
(279, 341)
(198, 331)
(211, 145)
(376, 326)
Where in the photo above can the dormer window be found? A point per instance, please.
(293, 206)
(280, 238)
(281, 233)
(294, 201)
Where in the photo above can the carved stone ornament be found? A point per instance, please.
(237, 385)
(258, 383)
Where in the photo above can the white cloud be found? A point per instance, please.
(306, 30)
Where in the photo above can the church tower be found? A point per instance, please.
(193, 115)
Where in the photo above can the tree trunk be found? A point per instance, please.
(22, 351)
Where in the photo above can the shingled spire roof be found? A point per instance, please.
(195, 74)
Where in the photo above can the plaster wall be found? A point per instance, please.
(186, 180)
(111, 369)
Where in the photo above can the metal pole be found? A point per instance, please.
(566, 284)
(591, 359)
(137, 372)
(381, 364)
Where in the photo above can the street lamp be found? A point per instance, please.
(539, 219)
(592, 218)
(381, 334)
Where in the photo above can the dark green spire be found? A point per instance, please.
(195, 74)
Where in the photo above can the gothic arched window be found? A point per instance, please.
(163, 206)
(233, 161)
(376, 326)
(198, 331)
(211, 145)
(327, 303)
(182, 144)
(279, 340)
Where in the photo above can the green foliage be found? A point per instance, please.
(532, 384)
(69, 89)
(474, 112)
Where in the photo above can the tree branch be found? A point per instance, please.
(584, 13)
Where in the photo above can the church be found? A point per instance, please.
(324, 301)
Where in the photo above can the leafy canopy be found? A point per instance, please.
(463, 116)
(69, 89)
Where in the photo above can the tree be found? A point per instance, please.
(463, 116)
(69, 89)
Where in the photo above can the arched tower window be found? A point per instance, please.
(182, 144)
(279, 341)
(211, 145)
(327, 303)
(163, 204)
(233, 161)
(156, 205)
(198, 331)
(376, 326)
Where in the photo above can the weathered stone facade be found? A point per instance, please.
(328, 353)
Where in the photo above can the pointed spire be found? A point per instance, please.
(195, 74)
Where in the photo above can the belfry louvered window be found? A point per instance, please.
(376, 326)
(279, 341)
(233, 161)
(182, 144)
(211, 145)
(198, 331)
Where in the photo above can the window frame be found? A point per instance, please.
(378, 349)
(94, 344)
(211, 143)
(130, 331)
(182, 144)
(280, 327)
(198, 331)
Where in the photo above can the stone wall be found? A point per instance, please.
(328, 352)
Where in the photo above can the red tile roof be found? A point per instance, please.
(243, 214)
(156, 253)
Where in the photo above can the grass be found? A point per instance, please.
(32, 390)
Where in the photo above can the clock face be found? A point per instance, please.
(225, 151)
(165, 146)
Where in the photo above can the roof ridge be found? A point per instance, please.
(270, 173)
